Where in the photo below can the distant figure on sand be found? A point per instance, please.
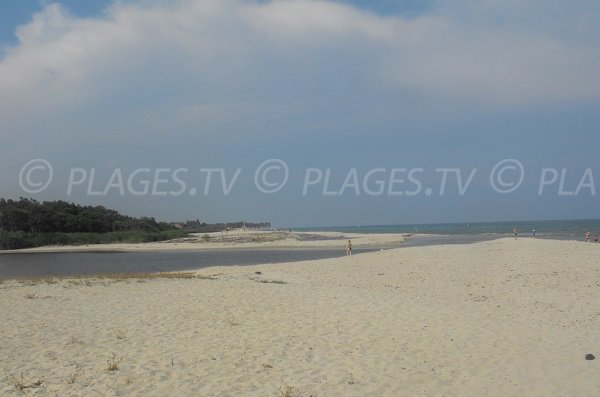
(596, 237)
(533, 232)
(515, 232)
(349, 248)
(587, 237)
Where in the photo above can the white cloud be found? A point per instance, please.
(233, 58)
(186, 83)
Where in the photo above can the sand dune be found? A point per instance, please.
(499, 318)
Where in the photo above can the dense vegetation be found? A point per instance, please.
(203, 227)
(28, 223)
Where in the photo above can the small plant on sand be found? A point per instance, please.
(21, 384)
(72, 377)
(232, 321)
(205, 238)
(113, 362)
(120, 334)
(288, 391)
(78, 282)
(105, 279)
(351, 380)
(75, 340)
(31, 281)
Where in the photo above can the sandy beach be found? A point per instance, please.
(497, 318)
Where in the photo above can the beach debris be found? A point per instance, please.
(590, 357)
(257, 272)
(265, 281)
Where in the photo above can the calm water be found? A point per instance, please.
(14, 265)
(89, 263)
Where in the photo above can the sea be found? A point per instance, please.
(553, 229)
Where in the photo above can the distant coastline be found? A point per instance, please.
(574, 229)
(236, 239)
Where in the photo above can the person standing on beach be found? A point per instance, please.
(587, 237)
(516, 232)
(596, 237)
(349, 248)
(533, 233)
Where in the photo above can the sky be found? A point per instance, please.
(304, 113)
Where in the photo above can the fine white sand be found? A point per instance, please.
(499, 318)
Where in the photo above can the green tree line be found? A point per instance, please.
(28, 223)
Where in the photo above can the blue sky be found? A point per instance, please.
(16, 13)
(329, 85)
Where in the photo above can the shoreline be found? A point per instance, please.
(103, 263)
(235, 240)
(85, 264)
(323, 240)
